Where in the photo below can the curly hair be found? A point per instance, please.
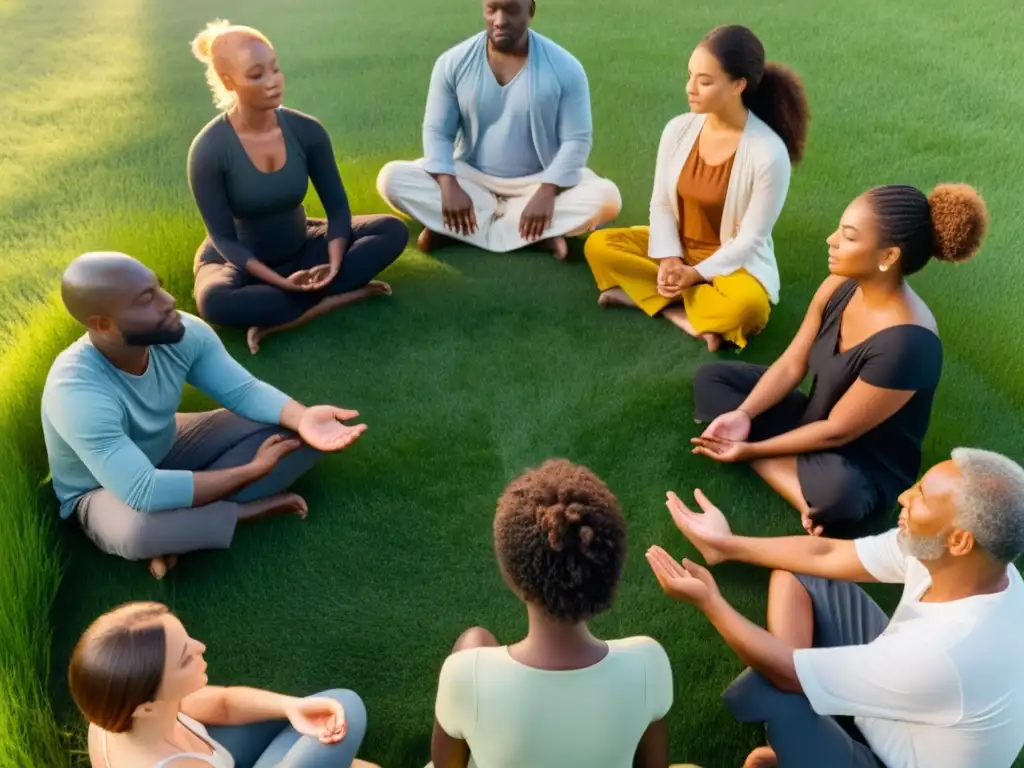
(560, 539)
(949, 224)
(773, 92)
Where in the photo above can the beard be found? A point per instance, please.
(925, 548)
(154, 338)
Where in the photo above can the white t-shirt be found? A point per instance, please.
(512, 715)
(942, 686)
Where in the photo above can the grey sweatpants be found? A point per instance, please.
(205, 441)
(844, 614)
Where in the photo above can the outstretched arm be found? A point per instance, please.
(709, 531)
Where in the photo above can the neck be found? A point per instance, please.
(545, 628)
(879, 290)
(252, 120)
(129, 359)
(155, 729)
(955, 578)
(730, 118)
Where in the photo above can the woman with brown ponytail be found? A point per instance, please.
(844, 453)
(707, 261)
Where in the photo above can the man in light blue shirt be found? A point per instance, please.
(145, 481)
(506, 139)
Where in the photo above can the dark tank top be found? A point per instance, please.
(904, 357)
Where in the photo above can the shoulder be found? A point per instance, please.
(767, 147)
(907, 340)
(199, 336)
(308, 128)
(832, 288)
(75, 370)
(209, 142)
(459, 53)
(679, 127)
(647, 649)
(567, 66)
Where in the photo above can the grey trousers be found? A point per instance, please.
(844, 614)
(205, 441)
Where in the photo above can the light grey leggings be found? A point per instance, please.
(275, 744)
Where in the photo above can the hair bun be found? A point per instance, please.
(202, 44)
(959, 221)
(561, 522)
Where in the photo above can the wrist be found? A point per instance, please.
(714, 607)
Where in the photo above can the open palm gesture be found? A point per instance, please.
(321, 718)
(707, 530)
(685, 581)
(321, 427)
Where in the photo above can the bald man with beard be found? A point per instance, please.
(146, 482)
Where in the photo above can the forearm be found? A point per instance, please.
(336, 251)
(835, 559)
(218, 484)
(237, 705)
(262, 272)
(778, 381)
(568, 163)
(756, 647)
(808, 438)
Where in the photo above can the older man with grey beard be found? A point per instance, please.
(835, 681)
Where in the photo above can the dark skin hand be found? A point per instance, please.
(538, 213)
(456, 206)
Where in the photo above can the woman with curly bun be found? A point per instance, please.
(845, 452)
(560, 696)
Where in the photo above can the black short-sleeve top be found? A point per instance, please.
(904, 357)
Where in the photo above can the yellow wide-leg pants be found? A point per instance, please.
(734, 306)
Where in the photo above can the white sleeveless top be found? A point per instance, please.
(220, 758)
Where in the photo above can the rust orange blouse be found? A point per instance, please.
(701, 191)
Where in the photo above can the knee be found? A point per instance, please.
(706, 385)
(782, 585)
(606, 198)
(395, 233)
(355, 712)
(475, 637)
(597, 244)
(394, 176)
(844, 499)
(212, 303)
(133, 541)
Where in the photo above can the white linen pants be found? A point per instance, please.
(498, 203)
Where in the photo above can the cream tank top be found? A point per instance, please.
(220, 758)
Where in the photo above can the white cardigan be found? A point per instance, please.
(753, 201)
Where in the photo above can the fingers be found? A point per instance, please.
(344, 414)
(703, 502)
(695, 570)
(679, 511)
(667, 564)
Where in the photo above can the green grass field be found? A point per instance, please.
(479, 366)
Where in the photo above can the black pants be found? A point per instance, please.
(844, 614)
(231, 297)
(845, 496)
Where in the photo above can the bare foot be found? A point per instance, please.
(556, 245)
(159, 566)
(762, 757)
(253, 337)
(274, 506)
(378, 288)
(615, 297)
(677, 316)
(713, 340)
(429, 241)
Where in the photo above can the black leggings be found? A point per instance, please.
(231, 297)
(848, 498)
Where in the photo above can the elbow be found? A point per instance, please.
(835, 434)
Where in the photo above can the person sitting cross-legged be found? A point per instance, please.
(140, 680)
(144, 481)
(506, 136)
(264, 265)
(842, 453)
(559, 697)
(839, 684)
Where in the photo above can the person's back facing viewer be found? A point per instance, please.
(559, 698)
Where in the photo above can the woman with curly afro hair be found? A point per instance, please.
(842, 454)
(560, 696)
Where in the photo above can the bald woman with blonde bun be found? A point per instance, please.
(264, 265)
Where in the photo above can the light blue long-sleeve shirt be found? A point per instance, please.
(105, 428)
(560, 119)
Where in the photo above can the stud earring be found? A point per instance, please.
(883, 268)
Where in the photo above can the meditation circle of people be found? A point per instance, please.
(507, 136)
